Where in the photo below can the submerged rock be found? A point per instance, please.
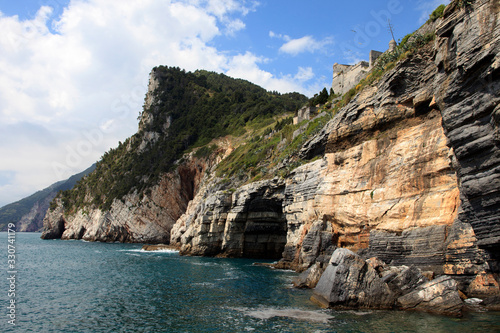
(406, 281)
(159, 247)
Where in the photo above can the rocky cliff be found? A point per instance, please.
(407, 172)
(140, 189)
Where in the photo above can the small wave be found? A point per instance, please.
(268, 313)
(204, 284)
(155, 251)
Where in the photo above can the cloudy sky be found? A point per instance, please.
(73, 74)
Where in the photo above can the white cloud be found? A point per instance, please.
(304, 44)
(221, 8)
(304, 74)
(234, 26)
(246, 66)
(272, 34)
(78, 87)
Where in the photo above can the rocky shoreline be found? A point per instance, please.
(352, 282)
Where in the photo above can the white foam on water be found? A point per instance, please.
(268, 313)
(212, 264)
(358, 313)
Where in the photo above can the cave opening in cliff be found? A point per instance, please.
(188, 185)
(265, 230)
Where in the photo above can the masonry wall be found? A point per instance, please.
(346, 77)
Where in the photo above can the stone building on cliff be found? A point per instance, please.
(304, 114)
(345, 77)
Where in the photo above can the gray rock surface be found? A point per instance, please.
(468, 55)
(54, 223)
(423, 247)
(437, 296)
(349, 281)
(310, 277)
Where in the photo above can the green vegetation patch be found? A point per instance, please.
(408, 45)
(437, 13)
(268, 154)
(464, 3)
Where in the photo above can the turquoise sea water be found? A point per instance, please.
(76, 286)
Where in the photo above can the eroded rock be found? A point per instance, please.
(137, 219)
(310, 277)
(349, 281)
(484, 285)
(437, 296)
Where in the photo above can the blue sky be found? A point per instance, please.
(73, 74)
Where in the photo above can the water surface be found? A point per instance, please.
(76, 286)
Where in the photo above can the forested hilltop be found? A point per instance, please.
(183, 111)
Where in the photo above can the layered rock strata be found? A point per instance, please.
(403, 167)
(451, 226)
(247, 223)
(410, 164)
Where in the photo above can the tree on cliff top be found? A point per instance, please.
(320, 98)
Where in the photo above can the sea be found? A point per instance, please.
(78, 286)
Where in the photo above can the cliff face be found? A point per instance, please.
(33, 220)
(142, 187)
(247, 223)
(467, 84)
(134, 219)
(409, 170)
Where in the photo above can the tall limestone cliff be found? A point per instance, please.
(407, 171)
